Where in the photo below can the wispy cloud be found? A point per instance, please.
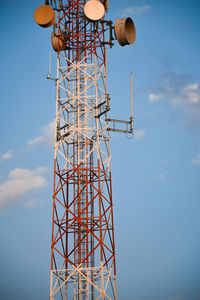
(156, 97)
(35, 141)
(139, 133)
(46, 137)
(180, 91)
(188, 94)
(7, 155)
(32, 203)
(19, 183)
(157, 177)
(136, 10)
(196, 160)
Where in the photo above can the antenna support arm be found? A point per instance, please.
(123, 126)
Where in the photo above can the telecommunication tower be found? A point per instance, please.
(83, 246)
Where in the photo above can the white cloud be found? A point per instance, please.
(192, 93)
(179, 91)
(32, 203)
(46, 137)
(159, 176)
(7, 155)
(19, 183)
(136, 10)
(196, 161)
(139, 133)
(156, 97)
(35, 141)
(187, 95)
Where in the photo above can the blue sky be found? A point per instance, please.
(156, 175)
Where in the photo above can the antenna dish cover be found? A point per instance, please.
(45, 16)
(94, 10)
(125, 31)
(58, 41)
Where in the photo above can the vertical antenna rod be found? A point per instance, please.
(131, 101)
(49, 62)
(131, 95)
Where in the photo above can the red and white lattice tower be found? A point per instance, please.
(83, 247)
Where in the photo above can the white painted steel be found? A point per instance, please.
(80, 94)
(59, 280)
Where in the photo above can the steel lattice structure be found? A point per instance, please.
(83, 247)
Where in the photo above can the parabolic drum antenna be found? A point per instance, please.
(83, 261)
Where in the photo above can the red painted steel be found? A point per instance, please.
(82, 221)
